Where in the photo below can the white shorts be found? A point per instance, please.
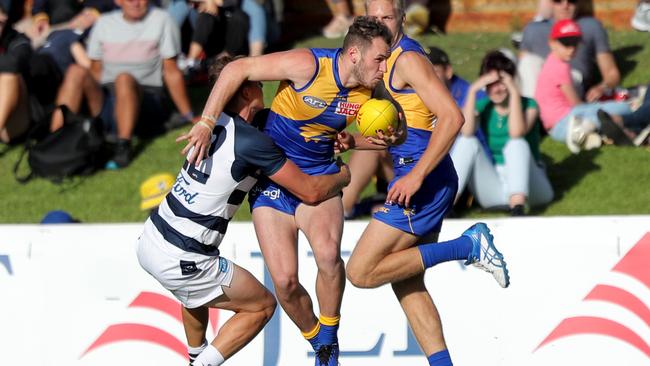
(194, 279)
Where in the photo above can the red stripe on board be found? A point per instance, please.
(152, 300)
(594, 325)
(138, 332)
(214, 320)
(622, 298)
(635, 262)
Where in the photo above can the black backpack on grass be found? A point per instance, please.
(74, 149)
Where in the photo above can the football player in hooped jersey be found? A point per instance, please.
(179, 245)
(400, 240)
(320, 93)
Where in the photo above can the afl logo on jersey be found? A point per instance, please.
(347, 108)
(314, 102)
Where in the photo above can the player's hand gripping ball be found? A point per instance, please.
(375, 115)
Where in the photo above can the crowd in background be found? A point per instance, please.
(130, 62)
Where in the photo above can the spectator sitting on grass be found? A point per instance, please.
(592, 58)
(564, 115)
(132, 51)
(633, 128)
(512, 174)
(15, 51)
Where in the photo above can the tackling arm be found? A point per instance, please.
(311, 189)
(297, 66)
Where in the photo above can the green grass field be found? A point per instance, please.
(611, 180)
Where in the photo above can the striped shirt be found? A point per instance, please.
(137, 48)
(194, 216)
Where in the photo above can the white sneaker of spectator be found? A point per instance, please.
(582, 134)
(182, 62)
(641, 18)
(642, 136)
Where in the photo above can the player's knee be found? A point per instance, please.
(286, 285)
(269, 308)
(329, 260)
(357, 277)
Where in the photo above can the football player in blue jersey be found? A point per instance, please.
(179, 244)
(400, 242)
(320, 93)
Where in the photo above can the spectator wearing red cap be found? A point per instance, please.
(594, 68)
(564, 115)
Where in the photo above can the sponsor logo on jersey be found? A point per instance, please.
(314, 102)
(188, 267)
(272, 193)
(317, 132)
(182, 192)
(347, 108)
(408, 212)
(223, 265)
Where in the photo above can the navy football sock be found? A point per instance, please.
(456, 249)
(329, 326)
(441, 358)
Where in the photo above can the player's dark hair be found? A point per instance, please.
(363, 31)
(438, 56)
(497, 61)
(216, 68)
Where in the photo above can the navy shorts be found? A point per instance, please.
(429, 204)
(154, 111)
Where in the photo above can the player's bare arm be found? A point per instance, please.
(296, 66)
(415, 71)
(311, 189)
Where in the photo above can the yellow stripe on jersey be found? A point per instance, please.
(323, 107)
(417, 114)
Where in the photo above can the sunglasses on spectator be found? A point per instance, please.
(569, 41)
(568, 1)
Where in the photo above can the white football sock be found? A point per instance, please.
(209, 357)
(193, 352)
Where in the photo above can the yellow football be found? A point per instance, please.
(375, 115)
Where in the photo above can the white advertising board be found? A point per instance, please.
(580, 294)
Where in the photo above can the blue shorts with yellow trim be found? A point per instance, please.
(429, 205)
(268, 194)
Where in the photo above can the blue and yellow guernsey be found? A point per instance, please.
(419, 119)
(304, 122)
(430, 203)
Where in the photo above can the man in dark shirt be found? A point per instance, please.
(15, 51)
(593, 55)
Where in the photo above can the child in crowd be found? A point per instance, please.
(564, 115)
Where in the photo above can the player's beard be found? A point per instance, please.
(359, 73)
